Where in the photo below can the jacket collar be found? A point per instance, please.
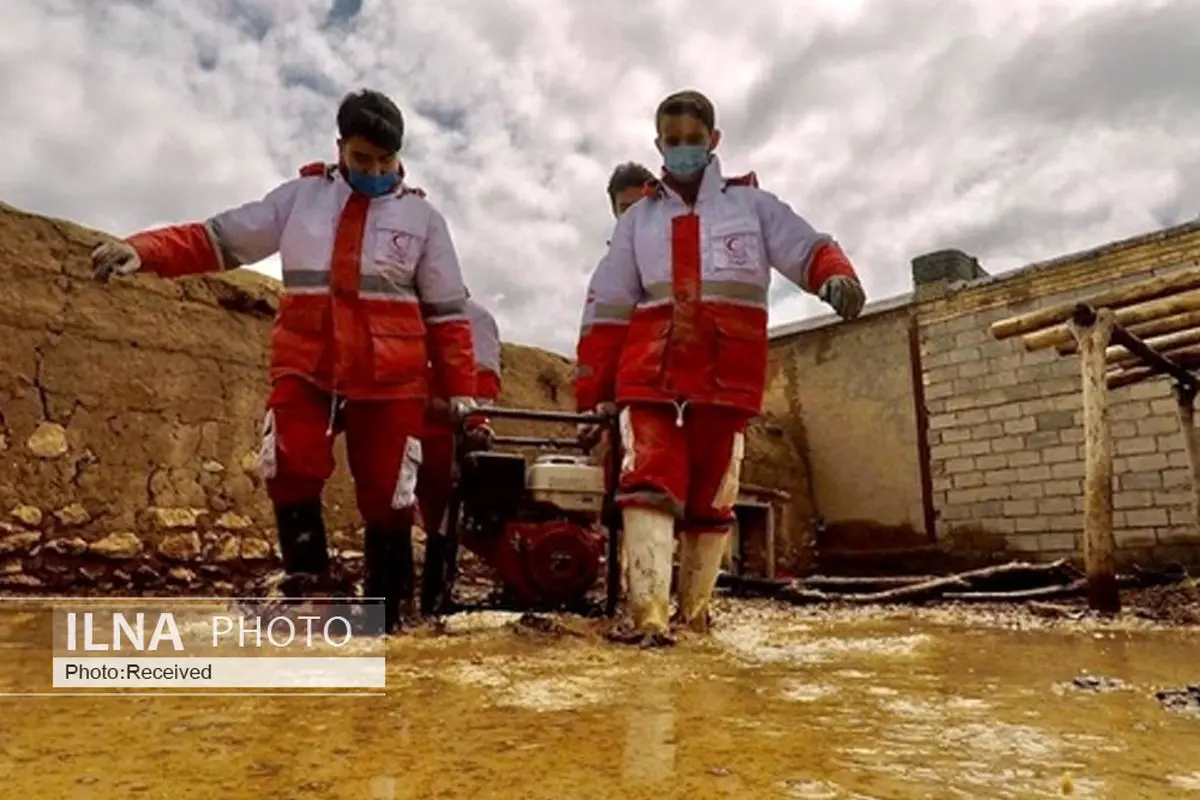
(711, 183)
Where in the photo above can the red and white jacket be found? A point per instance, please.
(373, 291)
(485, 339)
(676, 311)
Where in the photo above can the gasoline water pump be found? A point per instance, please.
(545, 524)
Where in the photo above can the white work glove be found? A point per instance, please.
(114, 258)
(590, 432)
(844, 294)
(461, 406)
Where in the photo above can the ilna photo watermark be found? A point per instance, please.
(148, 643)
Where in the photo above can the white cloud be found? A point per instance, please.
(1015, 131)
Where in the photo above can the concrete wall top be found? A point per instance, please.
(1023, 285)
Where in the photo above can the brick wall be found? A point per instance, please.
(1005, 427)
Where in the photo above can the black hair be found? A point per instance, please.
(629, 175)
(373, 116)
(688, 103)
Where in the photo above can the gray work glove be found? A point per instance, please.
(461, 406)
(844, 294)
(114, 258)
(590, 432)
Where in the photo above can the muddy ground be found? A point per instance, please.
(817, 703)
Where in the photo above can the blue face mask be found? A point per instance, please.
(685, 160)
(372, 185)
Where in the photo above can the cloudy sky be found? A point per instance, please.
(1016, 130)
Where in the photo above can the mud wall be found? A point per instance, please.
(129, 419)
(997, 430)
(850, 388)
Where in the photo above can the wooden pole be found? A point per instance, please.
(1186, 397)
(1147, 330)
(1167, 345)
(1099, 545)
(1143, 312)
(1113, 298)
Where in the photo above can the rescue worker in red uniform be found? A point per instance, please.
(436, 475)
(627, 185)
(674, 338)
(372, 293)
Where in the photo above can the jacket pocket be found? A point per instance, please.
(740, 360)
(298, 339)
(643, 360)
(398, 344)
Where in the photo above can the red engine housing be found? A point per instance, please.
(545, 562)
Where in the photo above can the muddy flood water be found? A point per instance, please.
(779, 703)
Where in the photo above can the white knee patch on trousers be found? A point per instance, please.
(628, 455)
(268, 448)
(405, 495)
(731, 482)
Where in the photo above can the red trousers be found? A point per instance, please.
(437, 466)
(691, 471)
(382, 446)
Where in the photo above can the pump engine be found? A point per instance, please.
(537, 525)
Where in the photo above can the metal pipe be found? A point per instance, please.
(538, 415)
(539, 441)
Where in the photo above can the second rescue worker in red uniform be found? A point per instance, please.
(373, 293)
(675, 335)
(437, 442)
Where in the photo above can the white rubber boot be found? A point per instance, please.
(700, 557)
(649, 539)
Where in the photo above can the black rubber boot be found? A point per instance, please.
(433, 574)
(303, 546)
(389, 570)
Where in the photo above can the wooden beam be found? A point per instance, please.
(1132, 315)
(1099, 545)
(1188, 357)
(1186, 397)
(1119, 297)
(1147, 330)
(1166, 345)
(1123, 379)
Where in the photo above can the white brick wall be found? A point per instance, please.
(1006, 443)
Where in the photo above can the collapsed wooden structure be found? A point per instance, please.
(1123, 336)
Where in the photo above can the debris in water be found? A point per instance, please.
(547, 625)
(477, 622)
(1186, 699)
(1097, 683)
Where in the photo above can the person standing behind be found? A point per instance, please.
(674, 335)
(627, 185)
(372, 293)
